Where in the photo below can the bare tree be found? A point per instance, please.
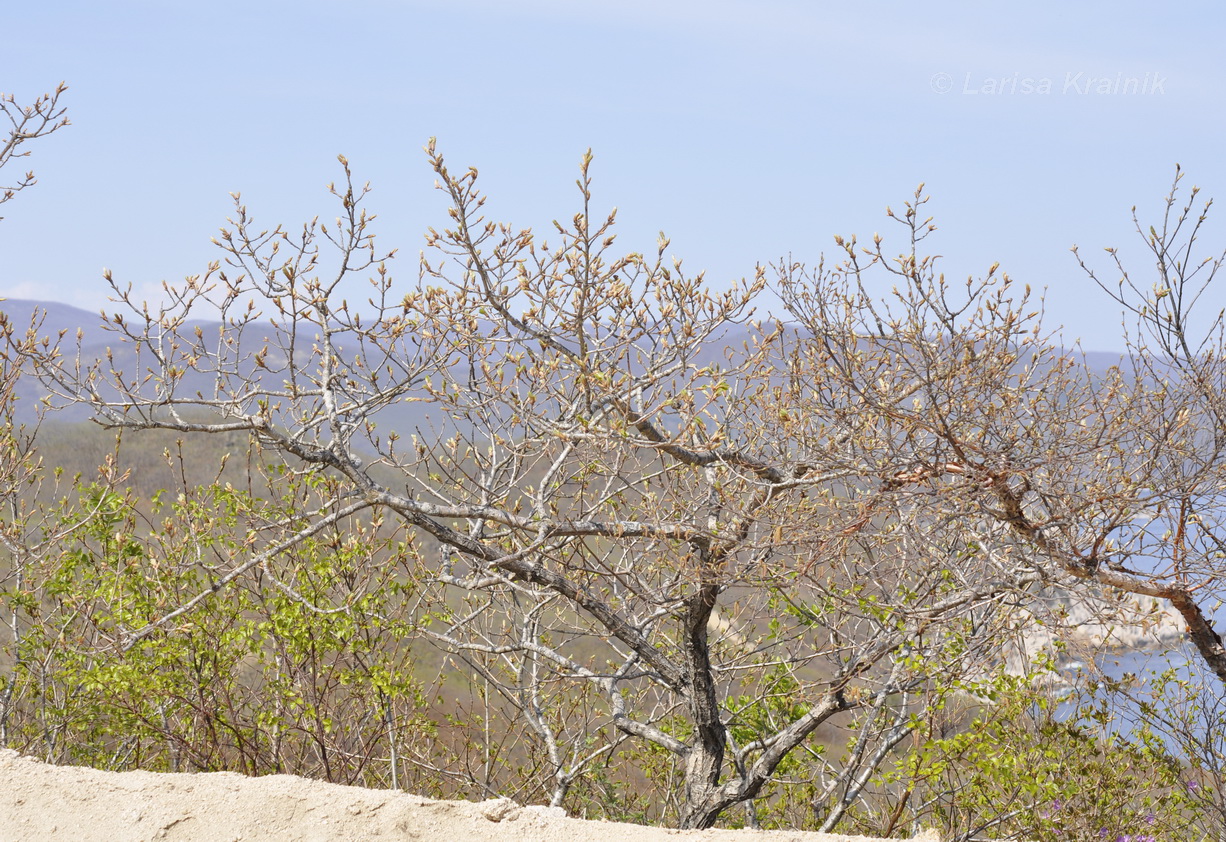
(1167, 539)
(29, 528)
(736, 537)
(27, 123)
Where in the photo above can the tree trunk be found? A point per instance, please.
(706, 756)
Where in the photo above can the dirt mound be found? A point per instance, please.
(43, 802)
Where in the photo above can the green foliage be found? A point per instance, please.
(305, 667)
(1027, 766)
(787, 800)
(302, 667)
(1180, 709)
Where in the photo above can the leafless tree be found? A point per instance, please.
(29, 530)
(27, 123)
(1166, 536)
(731, 534)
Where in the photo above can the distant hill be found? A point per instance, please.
(49, 318)
(53, 317)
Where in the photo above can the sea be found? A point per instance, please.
(1169, 691)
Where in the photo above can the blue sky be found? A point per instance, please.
(745, 130)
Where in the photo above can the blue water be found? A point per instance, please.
(1192, 709)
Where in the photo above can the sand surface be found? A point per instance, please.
(43, 802)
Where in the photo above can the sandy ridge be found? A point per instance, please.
(39, 801)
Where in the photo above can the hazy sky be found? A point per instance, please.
(745, 130)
